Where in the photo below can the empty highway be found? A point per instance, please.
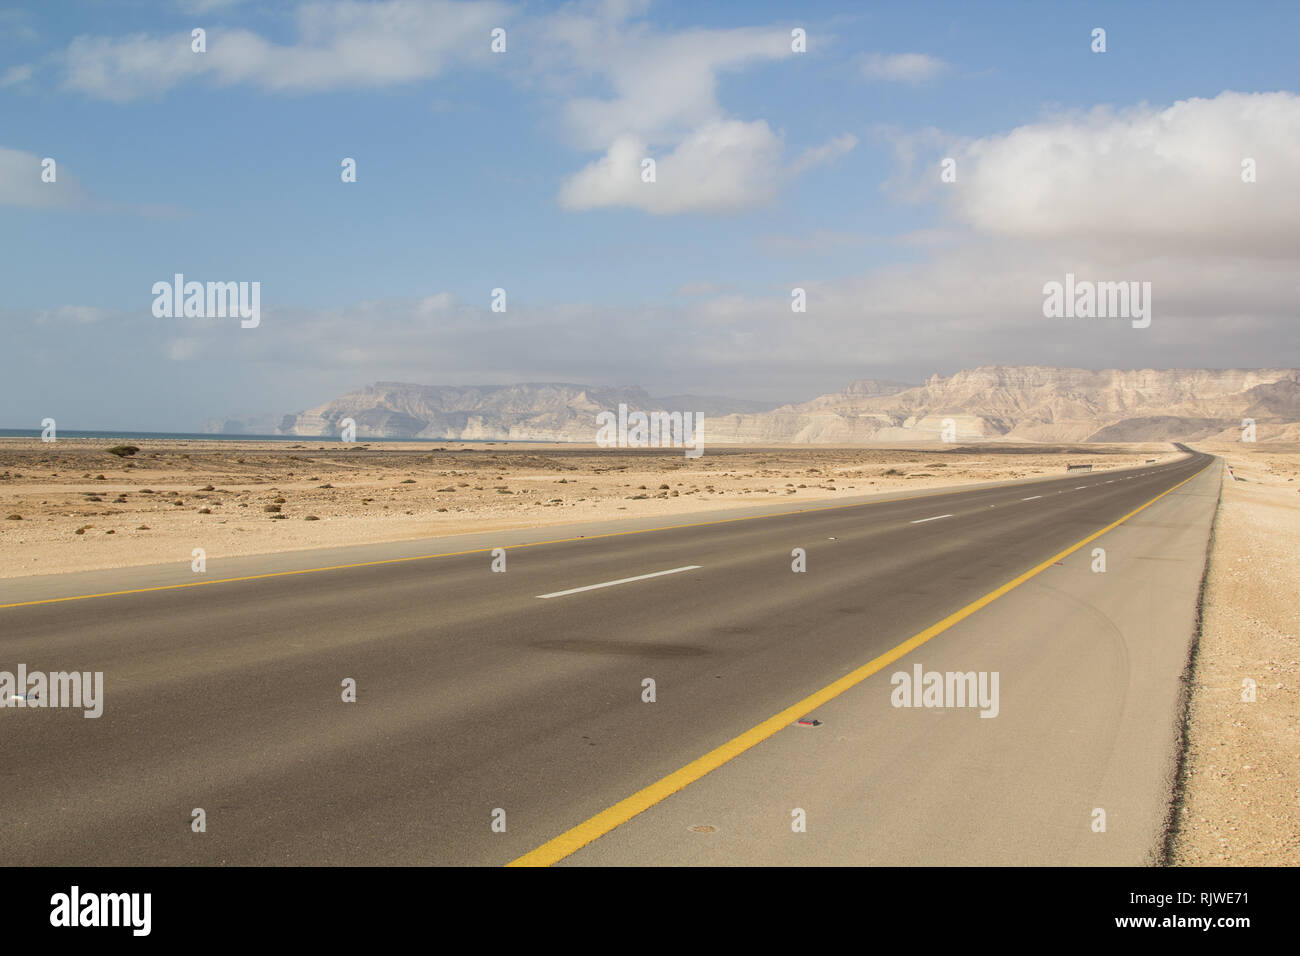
(522, 691)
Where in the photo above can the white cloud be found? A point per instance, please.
(721, 167)
(344, 43)
(664, 105)
(902, 67)
(664, 85)
(71, 315)
(184, 349)
(435, 304)
(1166, 179)
(662, 98)
(1147, 194)
(21, 185)
(824, 154)
(16, 74)
(970, 304)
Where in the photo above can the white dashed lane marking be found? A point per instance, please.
(610, 584)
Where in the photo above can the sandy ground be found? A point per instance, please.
(1241, 784)
(82, 508)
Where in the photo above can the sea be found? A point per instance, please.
(204, 436)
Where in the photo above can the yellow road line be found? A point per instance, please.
(575, 839)
(452, 554)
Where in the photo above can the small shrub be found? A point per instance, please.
(123, 451)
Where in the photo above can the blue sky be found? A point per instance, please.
(776, 169)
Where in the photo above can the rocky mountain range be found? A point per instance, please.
(528, 412)
(1037, 403)
(1018, 403)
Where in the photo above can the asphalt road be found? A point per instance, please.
(474, 693)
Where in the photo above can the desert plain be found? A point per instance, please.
(72, 505)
